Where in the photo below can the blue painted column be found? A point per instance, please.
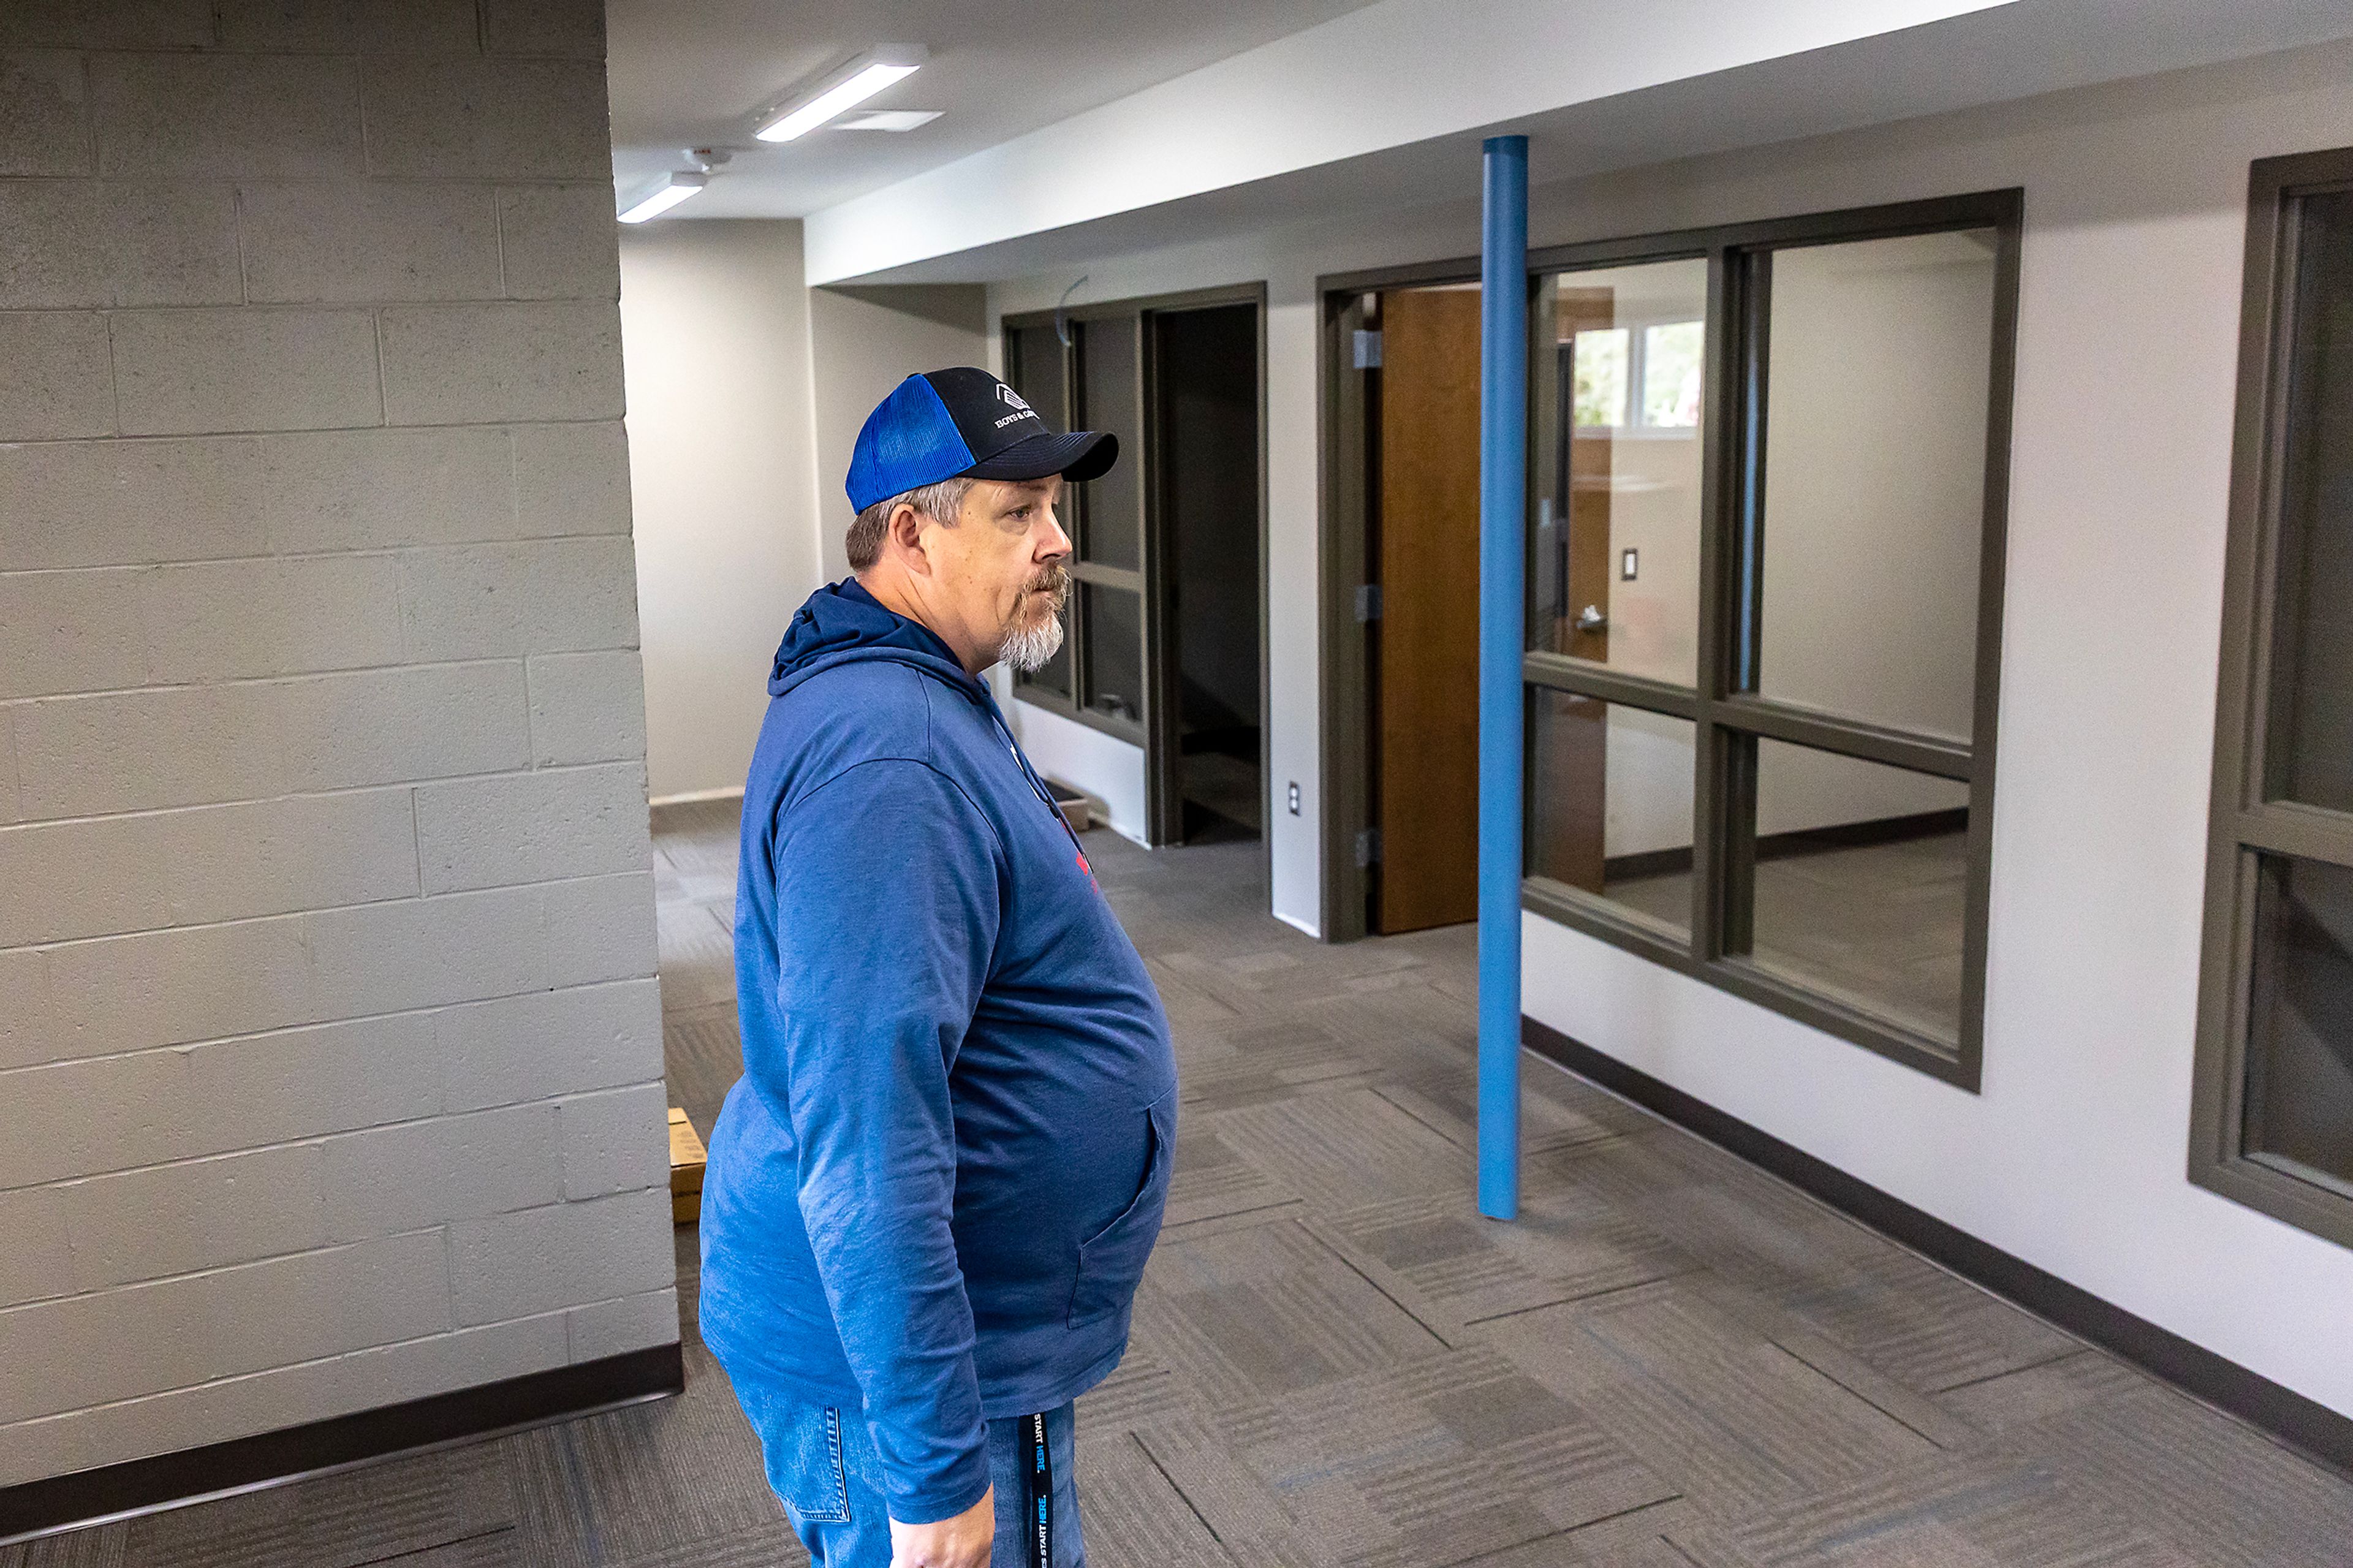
(1503, 555)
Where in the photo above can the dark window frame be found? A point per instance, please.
(1730, 721)
(1155, 730)
(1066, 418)
(2242, 825)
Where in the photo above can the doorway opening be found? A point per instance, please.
(1166, 644)
(1206, 411)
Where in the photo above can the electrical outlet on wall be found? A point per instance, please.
(1294, 799)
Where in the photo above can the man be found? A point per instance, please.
(932, 1192)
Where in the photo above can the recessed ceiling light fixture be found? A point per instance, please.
(869, 75)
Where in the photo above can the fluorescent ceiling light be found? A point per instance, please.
(860, 87)
(673, 190)
(889, 120)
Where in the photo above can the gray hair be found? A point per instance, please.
(941, 502)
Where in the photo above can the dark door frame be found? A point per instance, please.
(1158, 735)
(1347, 411)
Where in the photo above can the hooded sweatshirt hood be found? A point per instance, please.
(842, 622)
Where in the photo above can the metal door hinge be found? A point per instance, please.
(1368, 349)
(1368, 603)
(1369, 848)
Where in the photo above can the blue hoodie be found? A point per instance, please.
(932, 1192)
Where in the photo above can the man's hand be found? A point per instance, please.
(960, 1542)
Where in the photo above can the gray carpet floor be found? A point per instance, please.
(1670, 1362)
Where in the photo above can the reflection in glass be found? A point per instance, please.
(1877, 368)
(1036, 372)
(1861, 885)
(1114, 675)
(1110, 516)
(1054, 675)
(1609, 802)
(1623, 403)
(2311, 731)
(1670, 374)
(1599, 357)
(2299, 1102)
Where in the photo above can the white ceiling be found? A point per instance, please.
(692, 72)
(1358, 133)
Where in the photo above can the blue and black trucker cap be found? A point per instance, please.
(964, 423)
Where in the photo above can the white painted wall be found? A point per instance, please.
(1091, 762)
(863, 342)
(2073, 1155)
(715, 328)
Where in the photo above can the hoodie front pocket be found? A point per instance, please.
(1111, 1261)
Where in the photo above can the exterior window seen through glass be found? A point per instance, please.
(1614, 573)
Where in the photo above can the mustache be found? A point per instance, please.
(1054, 580)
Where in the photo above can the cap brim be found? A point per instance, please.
(1080, 455)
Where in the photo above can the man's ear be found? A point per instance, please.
(905, 529)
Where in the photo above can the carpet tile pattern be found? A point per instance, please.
(1670, 1361)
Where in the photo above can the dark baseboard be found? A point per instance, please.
(1860, 835)
(1805, 841)
(2309, 1428)
(1648, 864)
(242, 1464)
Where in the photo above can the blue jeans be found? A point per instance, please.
(822, 1465)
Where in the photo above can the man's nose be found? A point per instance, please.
(1057, 543)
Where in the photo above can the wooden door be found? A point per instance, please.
(1427, 658)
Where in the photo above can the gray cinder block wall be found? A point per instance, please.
(329, 1049)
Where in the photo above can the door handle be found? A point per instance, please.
(1591, 619)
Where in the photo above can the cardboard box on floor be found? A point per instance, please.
(687, 1159)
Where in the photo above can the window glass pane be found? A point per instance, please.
(1598, 366)
(1111, 519)
(1861, 887)
(1609, 802)
(1036, 372)
(2311, 733)
(1114, 623)
(1879, 359)
(1670, 374)
(1614, 576)
(2299, 1102)
(1054, 675)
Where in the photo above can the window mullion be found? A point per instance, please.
(1586, 680)
(2282, 827)
(1938, 754)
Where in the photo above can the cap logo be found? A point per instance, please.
(1012, 400)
